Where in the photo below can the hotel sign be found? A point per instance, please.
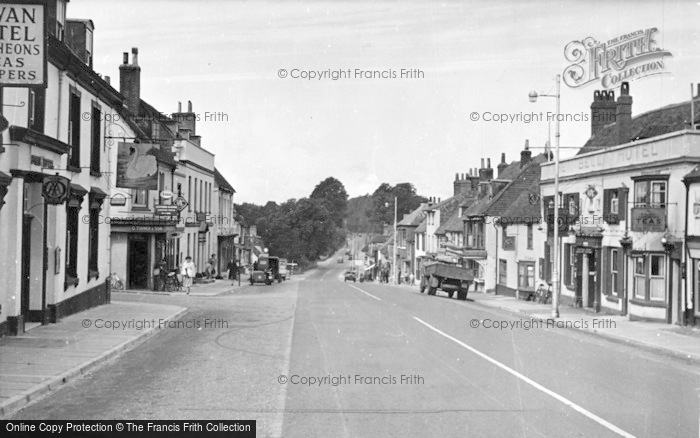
(23, 48)
(627, 57)
(648, 219)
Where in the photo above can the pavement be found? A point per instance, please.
(668, 339)
(46, 357)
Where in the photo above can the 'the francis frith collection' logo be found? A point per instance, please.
(625, 58)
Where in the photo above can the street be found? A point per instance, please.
(321, 357)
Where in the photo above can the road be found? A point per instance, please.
(358, 359)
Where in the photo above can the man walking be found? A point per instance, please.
(188, 272)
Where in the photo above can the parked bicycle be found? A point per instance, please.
(543, 294)
(115, 282)
(172, 283)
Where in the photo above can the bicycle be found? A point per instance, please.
(171, 282)
(543, 295)
(115, 282)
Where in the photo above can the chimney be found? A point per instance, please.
(108, 80)
(130, 82)
(623, 115)
(502, 165)
(525, 155)
(186, 120)
(603, 110)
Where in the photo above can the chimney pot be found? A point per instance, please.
(503, 157)
(107, 79)
(482, 163)
(126, 58)
(488, 163)
(527, 145)
(189, 106)
(179, 106)
(135, 57)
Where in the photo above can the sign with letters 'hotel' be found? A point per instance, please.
(22, 45)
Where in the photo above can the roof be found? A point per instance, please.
(412, 219)
(693, 176)
(380, 238)
(671, 118)
(222, 183)
(449, 216)
(513, 202)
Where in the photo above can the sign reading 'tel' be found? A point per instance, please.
(23, 36)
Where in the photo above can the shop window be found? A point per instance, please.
(649, 277)
(502, 272)
(526, 275)
(614, 271)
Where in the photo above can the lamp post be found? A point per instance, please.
(555, 271)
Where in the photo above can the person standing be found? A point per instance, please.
(411, 279)
(232, 270)
(188, 272)
(211, 266)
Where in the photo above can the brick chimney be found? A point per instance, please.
(462, 184)
(603, 110)
(623, 115)
(502, 165)
(525, 155)
(186, 120)
(474, 178)
(485, 177)
(130, 81)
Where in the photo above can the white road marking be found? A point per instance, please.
(368, 294)
(278, 422)
(532, 383)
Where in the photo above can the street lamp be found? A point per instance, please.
(393, 262)
(555, 272)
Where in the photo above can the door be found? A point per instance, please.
(26, 265)
(138, 262)
(592, 279)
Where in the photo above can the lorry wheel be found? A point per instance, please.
(451, 294)
(462, 294)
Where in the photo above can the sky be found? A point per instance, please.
(276, 137)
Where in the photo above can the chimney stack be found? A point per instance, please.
(603, 110)
(525, 155)
(186, 120)
(623, 115)
(502, 165)
(130, 82)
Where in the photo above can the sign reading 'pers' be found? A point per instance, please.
(625, 58)
(22, 45)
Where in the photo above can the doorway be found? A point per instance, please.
(26, 265)
(138, 262)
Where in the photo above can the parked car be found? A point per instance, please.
(341, 260)
(350, 275)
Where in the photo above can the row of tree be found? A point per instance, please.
(305, 229)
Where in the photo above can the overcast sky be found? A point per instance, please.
(284, 135)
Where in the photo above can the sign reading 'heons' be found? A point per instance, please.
(23, 45)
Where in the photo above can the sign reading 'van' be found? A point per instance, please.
(22, 45)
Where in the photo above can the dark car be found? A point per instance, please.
(350, 275)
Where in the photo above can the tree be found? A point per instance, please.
(382, 209)
(334, 197)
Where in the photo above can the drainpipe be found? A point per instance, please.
(683, 319)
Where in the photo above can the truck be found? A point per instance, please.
(447, 277)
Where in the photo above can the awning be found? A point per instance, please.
(369, 267)
(693, 249)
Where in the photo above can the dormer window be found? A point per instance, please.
(88, 47)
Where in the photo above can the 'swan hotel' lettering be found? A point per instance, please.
(625, 157)
(21, 44)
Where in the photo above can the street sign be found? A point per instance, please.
(167, 210)
(55, 189)
(24, 45)
(181, 203)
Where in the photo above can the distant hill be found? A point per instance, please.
(357, 219)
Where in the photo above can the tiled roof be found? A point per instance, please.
(454, 223)
(221, 182)
(513, 201)
(412, 219)
(660, 121)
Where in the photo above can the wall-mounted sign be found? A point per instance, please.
(648, 219)
(181, 203)
(55, 189)
(167, 210)
(23, 36)
(117, 200)
(166, 194)
(137, 166)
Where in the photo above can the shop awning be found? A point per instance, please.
(693, 249)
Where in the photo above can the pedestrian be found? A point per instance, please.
(211, 266)
(232, 270)
(411, 279)
(162, 274)
(188, 272)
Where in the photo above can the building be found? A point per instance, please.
(54, 164)
(405, 230)
(623, 212)
(225, 228)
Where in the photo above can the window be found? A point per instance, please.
(541, 265)
(189, 194)
(502, 271)
(95, 136)
(649, 274)
(526, 275)
(529, 236)
(615, 205)
(94, 235)
(475, 235)
(74, 130)
(614, 271)
(36, 109)
(650, 193)
(572, 204)
(60, 19)
(72, 223)
(139, 198)
(569, 265)
(88, 48)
